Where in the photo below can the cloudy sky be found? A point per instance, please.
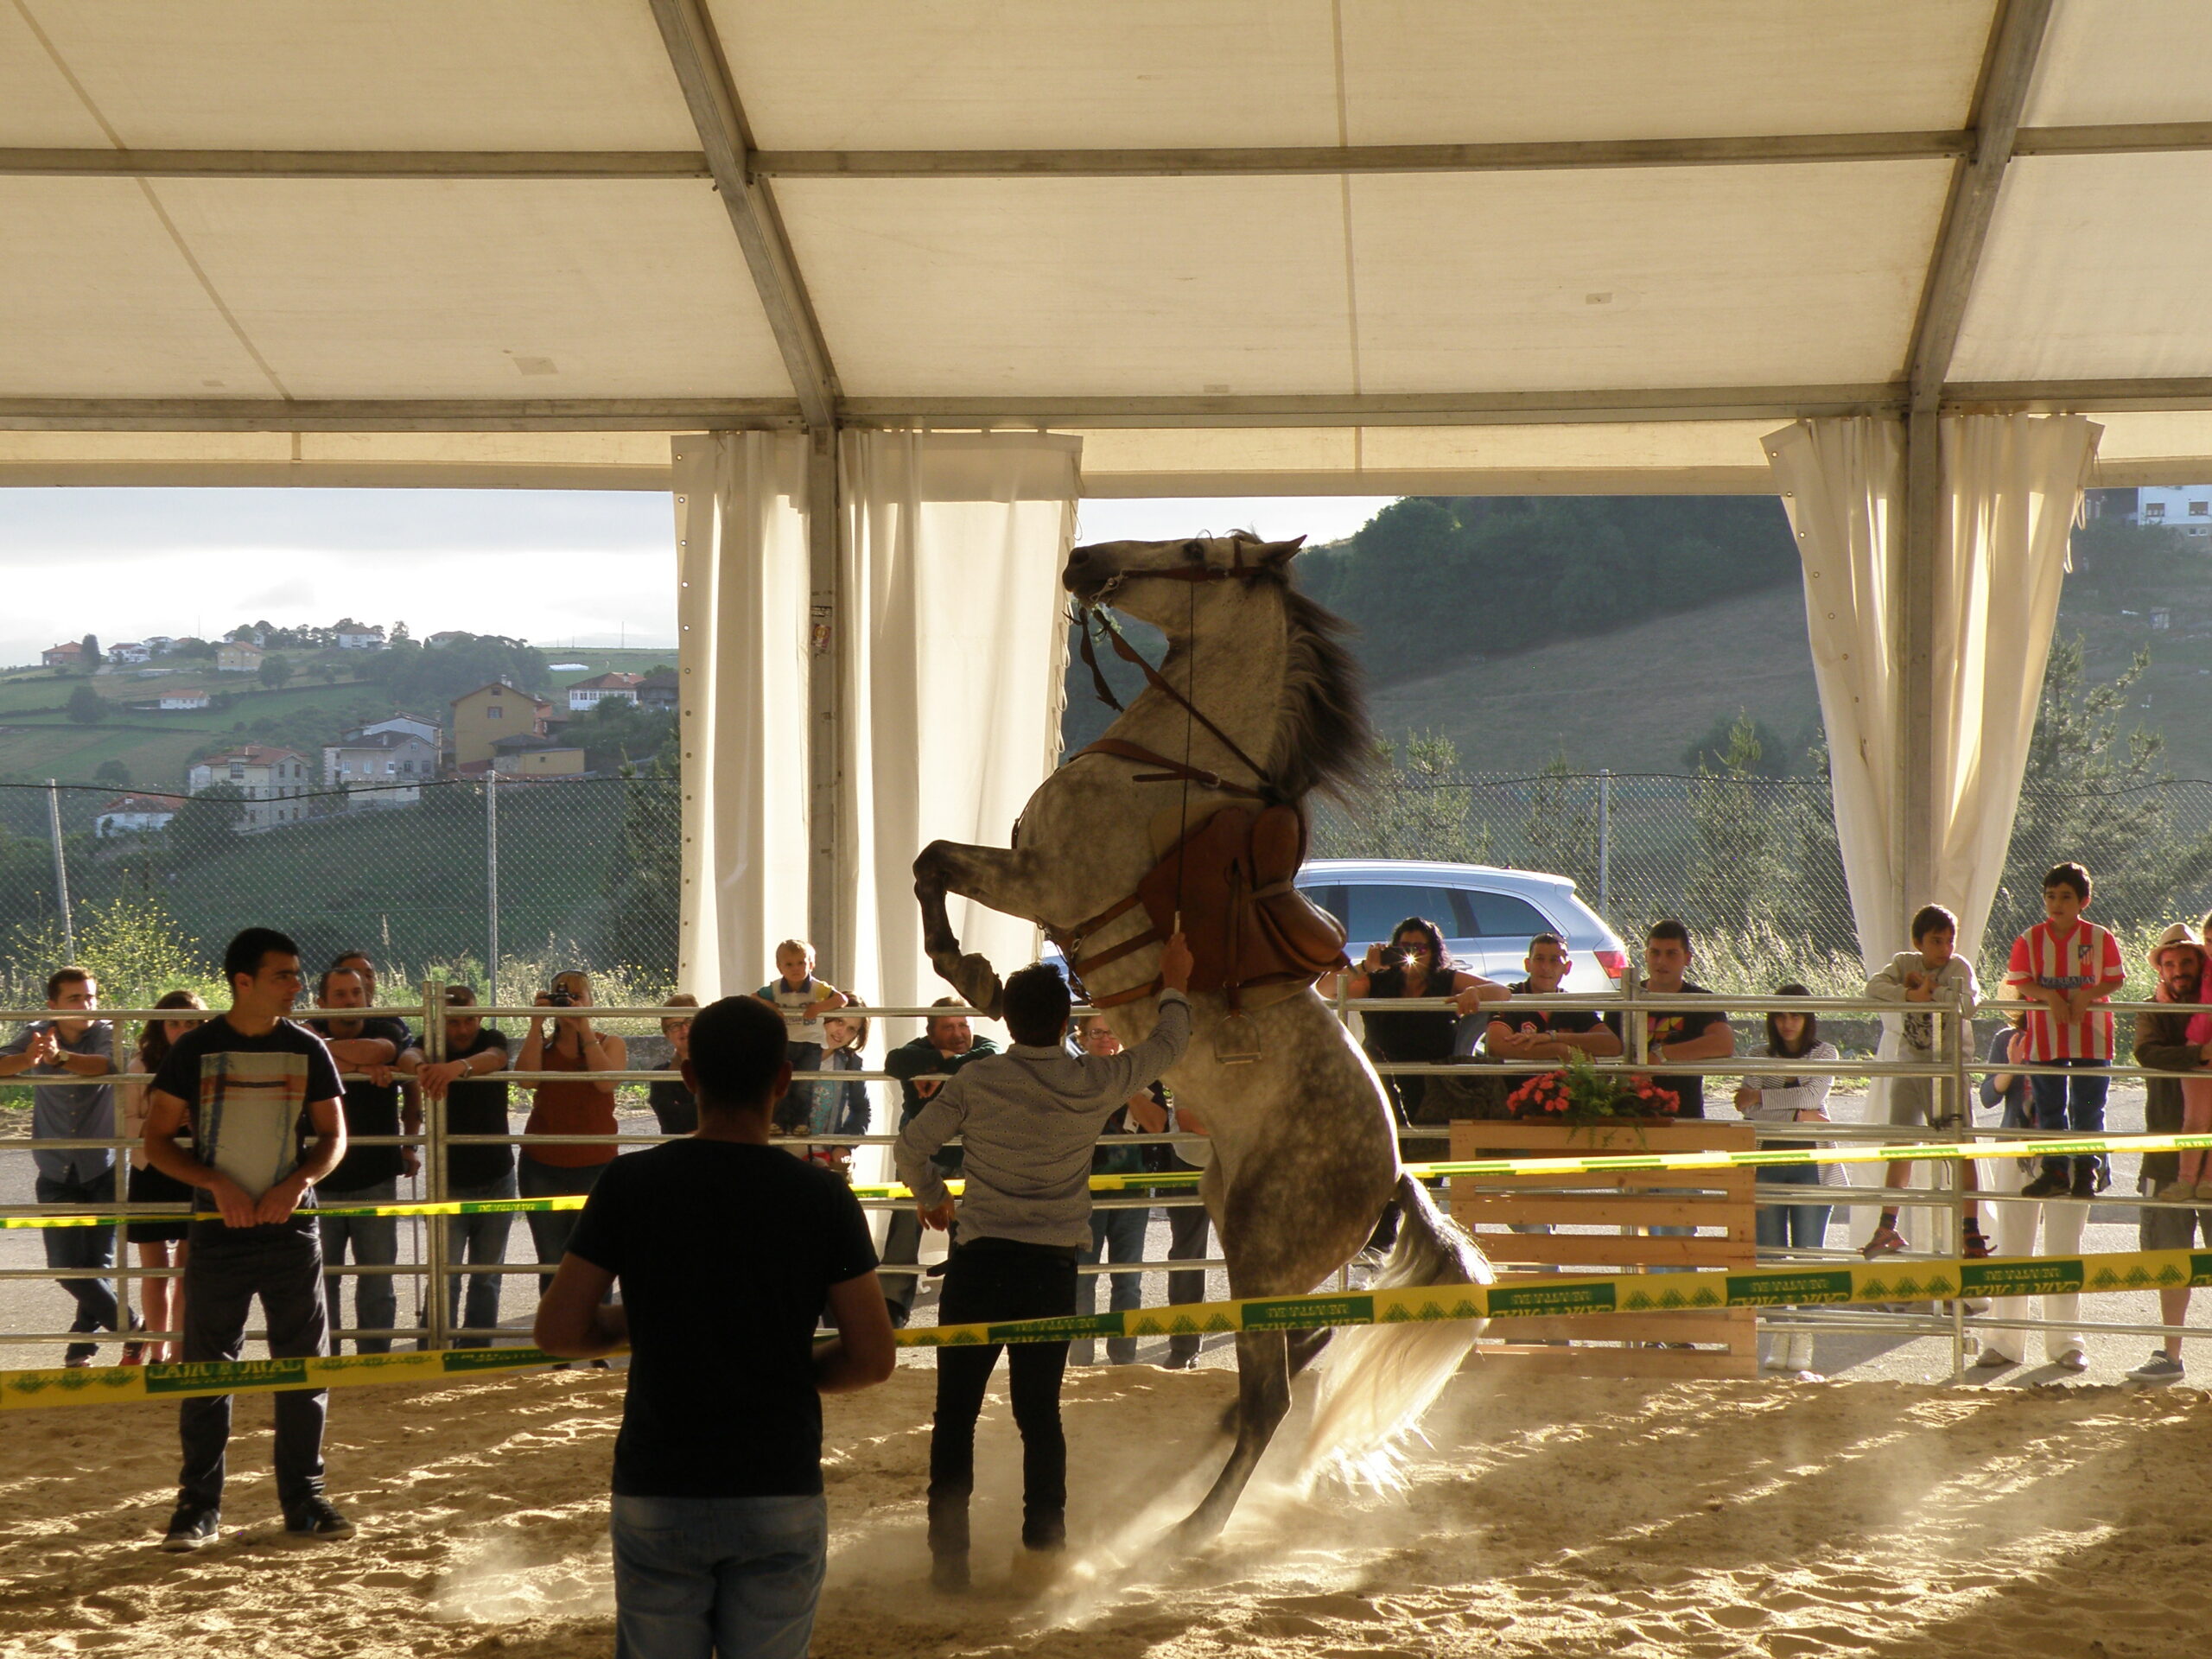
(555, 567)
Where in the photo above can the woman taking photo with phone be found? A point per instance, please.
(559, 1107)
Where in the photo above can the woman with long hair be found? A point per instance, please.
(585, 1106)
(1414, 963)
(161, 1241)
(1787, 1098)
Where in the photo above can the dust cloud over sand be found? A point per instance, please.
(1548, 1517)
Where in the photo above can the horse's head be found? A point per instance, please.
(1152, 581)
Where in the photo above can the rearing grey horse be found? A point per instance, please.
(1305, 1157)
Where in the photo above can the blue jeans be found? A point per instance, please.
(480, 1241)
(2073, 1105)
(1792, 1226)
(375, 1240)
(1116, 1236)
(550, 1229)
(92, 1248)
(695, 1576)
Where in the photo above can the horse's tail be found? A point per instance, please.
(1378, 1381)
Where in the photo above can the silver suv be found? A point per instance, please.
(1486, 915)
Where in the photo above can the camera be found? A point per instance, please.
(557, 998)
(1394, 955)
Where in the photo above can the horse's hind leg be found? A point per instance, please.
(1263, 1400)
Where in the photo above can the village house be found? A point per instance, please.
(385, 768)
(272, 781)
(131, 651)
(657, 691)
(536, 757)
(238, 657)
(185, 700)
(133, 814)
(481, 717)
(353, 636)
(67, 654)
(587, 695)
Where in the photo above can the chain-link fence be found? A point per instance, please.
(146, 889)
(1751, 863)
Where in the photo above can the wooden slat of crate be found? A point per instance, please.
(1723, 1206)
(1599, 1210)
(1606, 1251)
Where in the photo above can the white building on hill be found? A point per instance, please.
(383, 768)
(2184, 507)
(131, 815)
(271, 779)
(355, 636)
(587, 695)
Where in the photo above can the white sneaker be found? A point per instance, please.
(1801, 1353)
(2072, 1360)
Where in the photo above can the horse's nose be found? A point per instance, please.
(1079, 557)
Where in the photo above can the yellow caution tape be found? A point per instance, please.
(1505, 1168)
(1546, 1297)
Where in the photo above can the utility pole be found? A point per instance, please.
(60, 869)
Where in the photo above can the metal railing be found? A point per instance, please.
(1959, 1066)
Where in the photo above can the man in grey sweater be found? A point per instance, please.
(1029, 1119)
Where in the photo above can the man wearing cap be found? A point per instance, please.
(2162, 1044)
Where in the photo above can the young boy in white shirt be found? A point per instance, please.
(1930, 973)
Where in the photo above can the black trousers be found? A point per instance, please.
(992, 1279)
(281, 1265)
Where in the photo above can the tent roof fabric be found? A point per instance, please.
(1313, 245)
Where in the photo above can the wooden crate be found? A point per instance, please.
(1621, 1208)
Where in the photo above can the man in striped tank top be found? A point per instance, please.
(2067, 966)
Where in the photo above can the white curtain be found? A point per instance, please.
(2010, 487)
(742, 621)
(952, 545)
(1843, 487)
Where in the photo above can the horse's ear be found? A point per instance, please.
(1275, 555)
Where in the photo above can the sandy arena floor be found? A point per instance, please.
(1553, 1518)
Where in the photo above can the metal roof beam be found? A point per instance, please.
(2132, 139)
(354, 164)
(697, 56)
(2016, 40)
(394, 414)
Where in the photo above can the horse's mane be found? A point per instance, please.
(1323, 737)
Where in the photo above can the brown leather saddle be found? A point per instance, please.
(1250, 929)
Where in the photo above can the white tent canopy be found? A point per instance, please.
(1232, 246)
(1590, 244)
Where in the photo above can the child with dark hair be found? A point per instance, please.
(2066, 966)
(1931, 976)
(1791, 1098)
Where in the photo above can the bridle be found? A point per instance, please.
(1090, 616)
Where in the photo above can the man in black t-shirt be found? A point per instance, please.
(1524, 1034)
(376, 1048)
(726, 1249)
(1681, 1034)
(252, 1087)
(460, 1086)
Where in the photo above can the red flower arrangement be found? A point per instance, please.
(1579, 1093)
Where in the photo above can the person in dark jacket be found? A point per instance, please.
(948, 1042)
(2162, 1043)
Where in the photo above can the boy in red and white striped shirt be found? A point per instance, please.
(2069, 966)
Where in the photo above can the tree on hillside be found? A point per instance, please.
(427, 680)
(87, 706)
(1737, 868)
(2086, 796)
(1417, 806)
(91, 647)
(1562, 833)
(274, 671)
(1430, 579)
(643, 884)
(112, 771)
(202, 821)
(1710, 752)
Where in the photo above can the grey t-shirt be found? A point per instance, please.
(74, 1111)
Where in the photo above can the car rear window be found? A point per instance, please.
(1369, 910)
